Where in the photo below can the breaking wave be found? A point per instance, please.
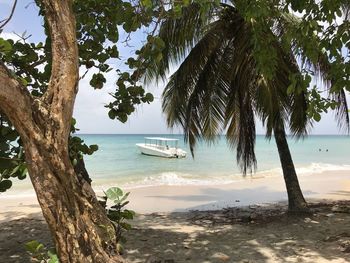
(175, 178)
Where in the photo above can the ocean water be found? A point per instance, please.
(119, 162)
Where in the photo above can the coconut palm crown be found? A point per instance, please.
(218, 87)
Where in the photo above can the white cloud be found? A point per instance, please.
(92, 116)
(8, 35)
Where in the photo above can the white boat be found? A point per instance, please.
(161, 147)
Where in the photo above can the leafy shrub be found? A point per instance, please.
(117, 212)
(40, 254)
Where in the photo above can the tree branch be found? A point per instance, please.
(63, 84)
(5, 21)
(16, 103)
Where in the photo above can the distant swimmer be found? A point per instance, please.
(319, 150)
(327, 150)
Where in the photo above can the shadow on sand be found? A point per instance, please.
(16, 232)
(162, 238)
(174, 237)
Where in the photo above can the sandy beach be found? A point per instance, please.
(164, 230)
(181, 198)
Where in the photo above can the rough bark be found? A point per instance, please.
(79, 225)
(80, 170)
(296, 200)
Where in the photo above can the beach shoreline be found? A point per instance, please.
(193, 224)
(333, 185)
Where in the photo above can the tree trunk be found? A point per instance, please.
(80, 170)
(296, 201)
(79, 225)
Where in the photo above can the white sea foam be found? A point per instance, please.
(313, 168)
(175, 178)
(322, 167)
(172, 178)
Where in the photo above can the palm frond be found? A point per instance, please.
(191, 98)
(240, 71)
(342, 110)
(181, 84)
(179, 36)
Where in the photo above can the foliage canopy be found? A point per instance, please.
(321, 38)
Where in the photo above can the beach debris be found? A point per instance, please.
(221, 256)
(186, 246)
(169, 251)
(309, 220)
(340, 209)
(249, 214)
(345, 246)
(336, 237)
(330, 215)
(330, 238)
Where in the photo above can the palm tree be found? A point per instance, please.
(219, 88)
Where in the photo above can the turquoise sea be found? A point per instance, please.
(119, 162)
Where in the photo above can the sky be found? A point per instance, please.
(91, 115)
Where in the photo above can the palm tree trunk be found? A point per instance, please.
(296, 201)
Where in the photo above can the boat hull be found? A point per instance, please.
(151, 150)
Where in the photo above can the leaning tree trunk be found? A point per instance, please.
(79, 225)
(296, 201)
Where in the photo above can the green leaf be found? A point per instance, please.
(94, 147)
(125, 197)
(5, 46)
(122, 117)
(23, 174)
(121, 203)
(290, 89)
(125, 225)
(112, 114)
(114, 215)
(53, 257)
(114, 193)
(15, 170)
(146, 3)
(317, 116)
(5, 185)
(128, 214)
(33, 246)
(149, 97)
(97, 81)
